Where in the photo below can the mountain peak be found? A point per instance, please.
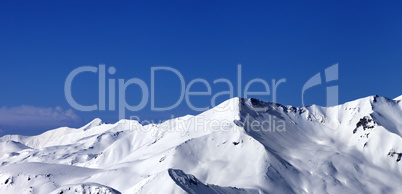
(94, 123)
(241, 143)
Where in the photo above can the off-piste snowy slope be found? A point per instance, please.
(240, 146)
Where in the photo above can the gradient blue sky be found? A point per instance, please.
(41, 42)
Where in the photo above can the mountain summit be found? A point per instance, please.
(240, 146)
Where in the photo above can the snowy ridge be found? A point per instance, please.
(240, 146)
(398, 98)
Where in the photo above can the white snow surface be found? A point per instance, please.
(240, 146)
(398, 98)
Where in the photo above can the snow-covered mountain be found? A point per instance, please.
(240, 146)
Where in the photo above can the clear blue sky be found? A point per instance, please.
(41, 42)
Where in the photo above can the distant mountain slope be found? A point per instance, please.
(240, 146)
